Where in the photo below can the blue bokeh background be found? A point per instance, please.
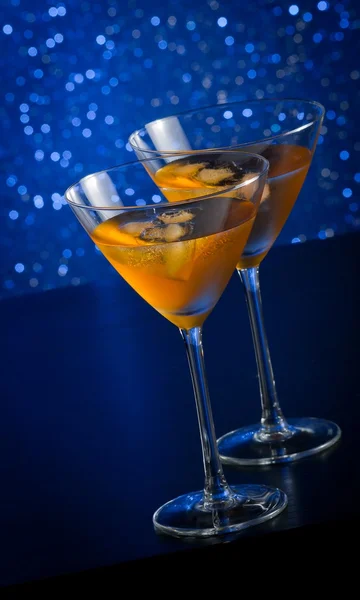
(77, 77)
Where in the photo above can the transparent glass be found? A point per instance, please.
(285, 132)
(179, 257)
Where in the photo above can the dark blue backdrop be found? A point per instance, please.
(78, 77)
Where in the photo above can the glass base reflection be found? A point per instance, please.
(249, 505)
(302, 438)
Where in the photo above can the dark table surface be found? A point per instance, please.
(98, 423)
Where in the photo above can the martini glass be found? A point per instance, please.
(285, 132)
(179, 257)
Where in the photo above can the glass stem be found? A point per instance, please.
(217, 493)
(273, 423)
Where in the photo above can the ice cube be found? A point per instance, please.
(135, 228)
(176, 216)
(153, 234)
(179, 259)
(266, 192)
(174, 232)
(249, 190)
(189, 170)
(166, 233)
(216, 176)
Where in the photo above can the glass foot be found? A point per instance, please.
(307, 436)
(249, 505)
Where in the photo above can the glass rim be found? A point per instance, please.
(229, 104)
(232, 188)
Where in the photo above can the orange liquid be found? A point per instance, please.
(289, 165)
(181, 279)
